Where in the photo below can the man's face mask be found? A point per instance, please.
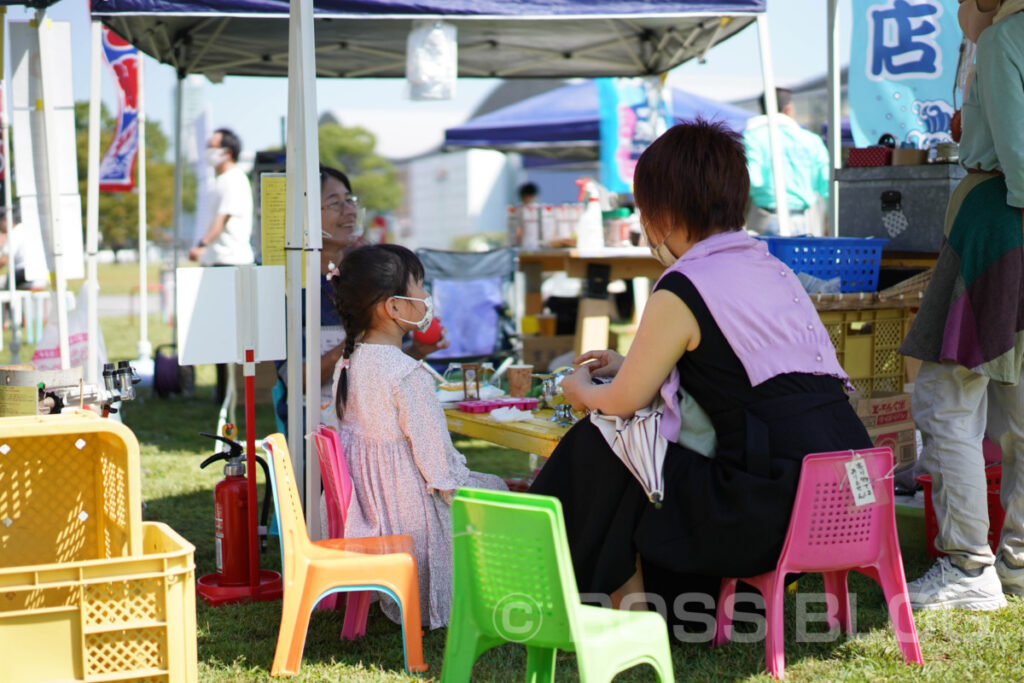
(428, 315)
(215, 156)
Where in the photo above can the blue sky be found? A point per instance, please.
(732, 70)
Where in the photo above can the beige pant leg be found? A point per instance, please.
(950, 404)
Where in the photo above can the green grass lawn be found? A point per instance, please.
(236, 643)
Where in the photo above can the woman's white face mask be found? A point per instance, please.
(428, 315)
(662, 254)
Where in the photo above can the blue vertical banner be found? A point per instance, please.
(901, 82)
(633, 114)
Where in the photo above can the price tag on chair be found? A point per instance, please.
(860, 482)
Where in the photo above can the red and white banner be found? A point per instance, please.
(118, 164)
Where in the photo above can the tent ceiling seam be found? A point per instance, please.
(633, 55)
(206, 45)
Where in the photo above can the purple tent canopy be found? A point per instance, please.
(565, 123)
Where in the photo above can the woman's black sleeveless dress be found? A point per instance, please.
(722, 516)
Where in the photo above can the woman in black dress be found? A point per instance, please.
(749, 348)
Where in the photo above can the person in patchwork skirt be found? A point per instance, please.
(969, 332)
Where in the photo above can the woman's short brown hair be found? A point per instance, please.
(694, 177)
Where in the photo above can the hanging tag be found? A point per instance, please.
(860, 482)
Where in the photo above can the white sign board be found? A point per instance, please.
(31, 171)
(223, 311)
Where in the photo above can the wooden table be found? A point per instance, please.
(613, 263)
(536, 435)
(597, 267)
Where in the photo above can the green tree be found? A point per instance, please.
(119, 211)
(374, 179)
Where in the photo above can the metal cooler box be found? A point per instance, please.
(920, 192)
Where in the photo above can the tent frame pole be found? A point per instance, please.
(303, 233)
(92, 214)
(54, 223)
(15, 304)
(179, 204)
(145, 348)
(835, 140)
(771, 104)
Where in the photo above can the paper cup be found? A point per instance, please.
(520, 378)
(547, 324)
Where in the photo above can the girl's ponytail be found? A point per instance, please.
(342, 395)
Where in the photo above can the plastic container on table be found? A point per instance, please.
(855, 260)
(867, 345)
(522, 403)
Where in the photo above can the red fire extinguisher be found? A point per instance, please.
(231, 518)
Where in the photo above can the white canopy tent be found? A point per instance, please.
(496, 38)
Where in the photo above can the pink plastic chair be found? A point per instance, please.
(337, 502)
(338, 485)
(829, 534)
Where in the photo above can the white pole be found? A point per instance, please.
(8, 206)
(835, 140)
(179, 172)
(145, 348)
(771, 104)
(92, 215)
(303, 219)
(293, 277)
(52, 176)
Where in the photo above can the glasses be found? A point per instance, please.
(335, 204)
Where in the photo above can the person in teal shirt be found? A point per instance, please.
(805, 159)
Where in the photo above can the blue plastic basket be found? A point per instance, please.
(853, 259)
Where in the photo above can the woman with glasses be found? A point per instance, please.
(341, 230)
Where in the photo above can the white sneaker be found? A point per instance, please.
(946, 586)
(1012, 578)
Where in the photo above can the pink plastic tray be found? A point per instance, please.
(488, 406)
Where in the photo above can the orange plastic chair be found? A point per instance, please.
(830, 534)
(338, 565)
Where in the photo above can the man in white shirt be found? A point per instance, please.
(227, 241)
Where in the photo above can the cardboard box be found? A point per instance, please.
(540, 351)
(901, 438)
(263, 383)
(909, 157)
(883, 408)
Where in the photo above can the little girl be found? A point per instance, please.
(393, 432)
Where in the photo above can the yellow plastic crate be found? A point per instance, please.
(130, 618)
(867, 344)
(69, 489)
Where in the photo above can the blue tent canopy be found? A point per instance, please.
(367, 38)
(565, 123)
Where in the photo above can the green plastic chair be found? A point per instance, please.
(513, 581)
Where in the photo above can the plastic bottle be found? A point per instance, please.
(512, 227)
(590, 227)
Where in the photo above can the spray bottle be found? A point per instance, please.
(590, 228)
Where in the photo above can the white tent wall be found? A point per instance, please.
(451, 195)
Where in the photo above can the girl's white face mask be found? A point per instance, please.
(428, 315)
